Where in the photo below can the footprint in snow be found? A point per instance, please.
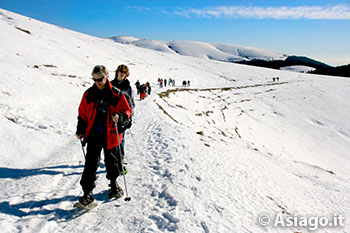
(316, 122)
(166, 221)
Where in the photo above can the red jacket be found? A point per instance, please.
(115, 103)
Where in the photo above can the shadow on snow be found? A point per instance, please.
(18, 173)
(42, 207)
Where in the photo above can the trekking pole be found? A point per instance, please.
(135, 143)
(123, 171)
(82, 146)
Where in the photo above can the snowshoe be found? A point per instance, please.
(87, 207)
(86, 201)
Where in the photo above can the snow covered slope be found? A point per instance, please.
(219, 52)
(212, 157)
(300, 69)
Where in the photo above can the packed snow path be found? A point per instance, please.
(179, 179)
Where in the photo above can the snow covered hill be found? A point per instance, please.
(213, 157)
(300, 69)
(219, 52)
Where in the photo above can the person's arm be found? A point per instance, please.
(82, 118)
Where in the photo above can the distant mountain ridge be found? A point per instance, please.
(220, 52)
(289, 61)
(235, 53)
(319, 67)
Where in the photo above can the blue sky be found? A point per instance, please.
(318, 29)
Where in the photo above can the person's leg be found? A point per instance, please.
(112, 163)
(92, 161)
(113, 169)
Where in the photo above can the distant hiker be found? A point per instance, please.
(277, 78)
(143, 89)
(273, 79)
(137, 84)
(165, 82)
(101, 109)
(148, 88)
(170, 82)
(122, 83)
(188, 83)
(184, 83)
(161, 83)
(173, 82)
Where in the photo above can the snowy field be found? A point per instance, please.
(229, 151)
(300, 69)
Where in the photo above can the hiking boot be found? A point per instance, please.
(86, 199)
(116, 191)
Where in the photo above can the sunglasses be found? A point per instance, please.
(98, 79)
(123, 72)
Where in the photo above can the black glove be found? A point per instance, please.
(124, 122)
(81, 127)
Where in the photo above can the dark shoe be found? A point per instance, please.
(86, 199)
(116, 191)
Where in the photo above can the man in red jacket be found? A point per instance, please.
(101, 110)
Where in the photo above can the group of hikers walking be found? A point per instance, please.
(143, 90)
(104, 114)
(164, 82)
(186, 84)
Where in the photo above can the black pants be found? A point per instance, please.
(92, 161)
